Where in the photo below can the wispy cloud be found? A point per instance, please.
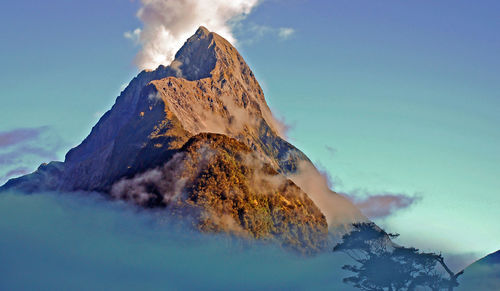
(382, 205)
(255, 32)
(133, 35)
(19, 135)
(20, 153)
(331, 150)
(285, 32)
(374, 205)
(15, 173)
(23, 149)
(338, 209)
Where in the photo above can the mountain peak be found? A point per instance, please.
(196, 58)
(204, 120)
(202, 31)
(205, 54)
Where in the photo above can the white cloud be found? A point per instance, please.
(168, 23)
(133, 35)
(254, 32)
(285, 32)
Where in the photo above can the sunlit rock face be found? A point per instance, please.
(162, 115)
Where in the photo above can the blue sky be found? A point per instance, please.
(405, 92)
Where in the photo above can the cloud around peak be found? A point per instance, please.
(168, 23)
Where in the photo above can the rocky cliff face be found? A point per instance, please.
(233, 179)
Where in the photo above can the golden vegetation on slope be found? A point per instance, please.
(236, 185)
(227, 188)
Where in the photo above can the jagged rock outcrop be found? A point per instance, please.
(159, 117)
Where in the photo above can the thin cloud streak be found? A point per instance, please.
(22, 149)
(20, 135)
(286, 32)
(255, 32)
(15, 173)
(383, 205)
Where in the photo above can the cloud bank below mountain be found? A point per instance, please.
(82, 242)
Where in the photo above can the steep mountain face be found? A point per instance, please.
(155, 128)
(483, 274)
(208, 88)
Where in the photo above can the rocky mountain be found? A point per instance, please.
(198, 138)
(483, 274)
